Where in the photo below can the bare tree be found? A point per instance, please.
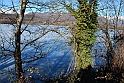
(22, 36)
(111, 23)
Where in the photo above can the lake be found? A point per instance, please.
(54, 45)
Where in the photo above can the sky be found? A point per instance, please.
(101, 4)
(111, 7)
(5, 5)
(9, 2)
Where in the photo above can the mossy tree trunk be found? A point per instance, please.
(86, 18)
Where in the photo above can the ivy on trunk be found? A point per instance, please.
(86, 18)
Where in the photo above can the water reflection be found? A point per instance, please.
(56, 61)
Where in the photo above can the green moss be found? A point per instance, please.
(86, 17)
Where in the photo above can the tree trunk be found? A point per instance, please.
(110, 51)
(17, 55)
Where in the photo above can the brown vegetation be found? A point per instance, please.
(118, 61)
(7, 18)
(48, 18)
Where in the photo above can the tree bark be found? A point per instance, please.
(17, 55)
